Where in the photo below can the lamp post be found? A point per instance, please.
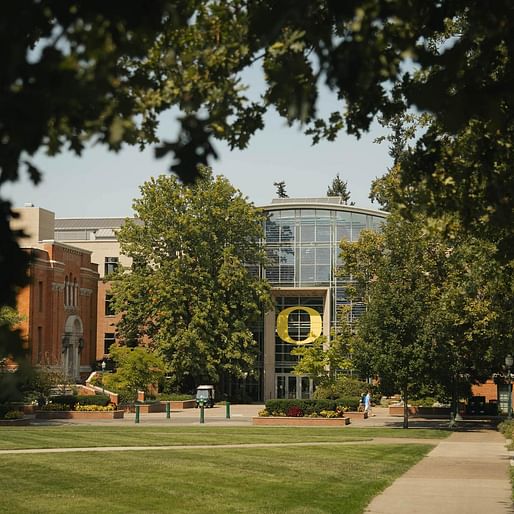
(509, 360)
(103, 371)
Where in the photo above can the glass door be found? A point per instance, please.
(292, 387)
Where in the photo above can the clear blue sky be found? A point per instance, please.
(101, 183)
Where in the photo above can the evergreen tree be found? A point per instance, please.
(339, 187)
(281, 189)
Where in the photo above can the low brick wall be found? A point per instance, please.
(183, 404)
(72, 414)
(300, 422)
(356, 415)
(14, 422)
(442, 412)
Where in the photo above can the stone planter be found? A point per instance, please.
(73, 414)
(356, 415)
(397, 410)
(299, 422)
(147, 408)
(429, 412)
(182, 404)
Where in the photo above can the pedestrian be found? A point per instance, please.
(362, 401)
(367, 403)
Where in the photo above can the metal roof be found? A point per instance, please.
(88, 223)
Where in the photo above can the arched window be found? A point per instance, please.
(75, 293)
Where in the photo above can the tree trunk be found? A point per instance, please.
(405, 407)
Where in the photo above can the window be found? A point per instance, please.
(40, 295)
(109, 340)
(38, 347)
(109, 309)
(111, 265)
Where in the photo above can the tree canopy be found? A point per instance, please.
(192, 293)
(88, 71)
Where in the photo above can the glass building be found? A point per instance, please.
(302, 238)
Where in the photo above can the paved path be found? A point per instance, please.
(466, 473)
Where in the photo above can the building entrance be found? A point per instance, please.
(290, 386)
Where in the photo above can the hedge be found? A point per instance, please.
(311, 406)
(72, 399)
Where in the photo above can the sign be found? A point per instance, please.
(283, 324)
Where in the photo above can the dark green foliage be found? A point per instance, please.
(281, 189)
(339, 187)
(97, 399)
(72, 399)
(311, 406)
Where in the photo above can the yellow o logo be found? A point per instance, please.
(283, 324)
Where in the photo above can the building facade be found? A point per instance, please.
(302, 243)
(98, 236)
(58, 306)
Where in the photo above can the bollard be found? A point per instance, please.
(137, 413)
(227, 409)
(202, 413)
(168, 410)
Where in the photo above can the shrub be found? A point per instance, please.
(506, 428)
(56, 406)
(97, 399)
(63, 399)
(175, 397)
(329, 414)
(4, 409)
(294, 412)
(13, 414)
(309, 407)
(263, 413)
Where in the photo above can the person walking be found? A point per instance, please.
(367, 403)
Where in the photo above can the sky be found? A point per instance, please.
(102, 183)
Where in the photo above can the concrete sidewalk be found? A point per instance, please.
(466, 473)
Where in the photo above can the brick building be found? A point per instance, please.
(59, 306)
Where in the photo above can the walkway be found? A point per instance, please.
(466, 473)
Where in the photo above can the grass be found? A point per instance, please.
(73, 436)
(313, 480)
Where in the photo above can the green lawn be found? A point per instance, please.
(327, 479)
(68, 436)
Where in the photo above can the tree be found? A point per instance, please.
(126, 66)
(339, 187)
(281, 189)
(436, 307)
(136, 369)
(191, 293)
(322, 359)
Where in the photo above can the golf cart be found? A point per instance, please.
(205, 394)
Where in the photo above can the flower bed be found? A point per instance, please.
(299, 421)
